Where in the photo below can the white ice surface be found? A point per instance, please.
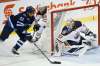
(28, 58)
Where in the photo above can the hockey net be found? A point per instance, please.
(88, 15)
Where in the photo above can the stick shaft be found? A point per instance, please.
(43, 53)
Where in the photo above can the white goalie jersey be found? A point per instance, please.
(82, 37)
(74, 35)
(78, 33)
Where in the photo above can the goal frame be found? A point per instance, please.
(70, 9)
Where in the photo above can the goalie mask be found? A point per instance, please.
(69, 22)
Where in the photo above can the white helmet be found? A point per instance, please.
(70, 20)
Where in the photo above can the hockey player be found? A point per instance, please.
(71, 37)
(38, 28)
(19, 23)
(41, 19)
(71, 26)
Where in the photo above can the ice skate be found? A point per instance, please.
(14, 51)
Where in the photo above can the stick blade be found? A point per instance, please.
(56, 62)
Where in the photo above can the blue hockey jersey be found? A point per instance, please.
(21, 21)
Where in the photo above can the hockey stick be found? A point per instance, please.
(52, 62)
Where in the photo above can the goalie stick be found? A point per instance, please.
(52, 62)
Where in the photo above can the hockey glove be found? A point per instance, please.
(36, 27)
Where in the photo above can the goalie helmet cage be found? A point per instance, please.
(71, 9)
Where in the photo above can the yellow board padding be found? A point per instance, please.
(87, 19)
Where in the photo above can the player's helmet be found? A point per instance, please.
(30, 9)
